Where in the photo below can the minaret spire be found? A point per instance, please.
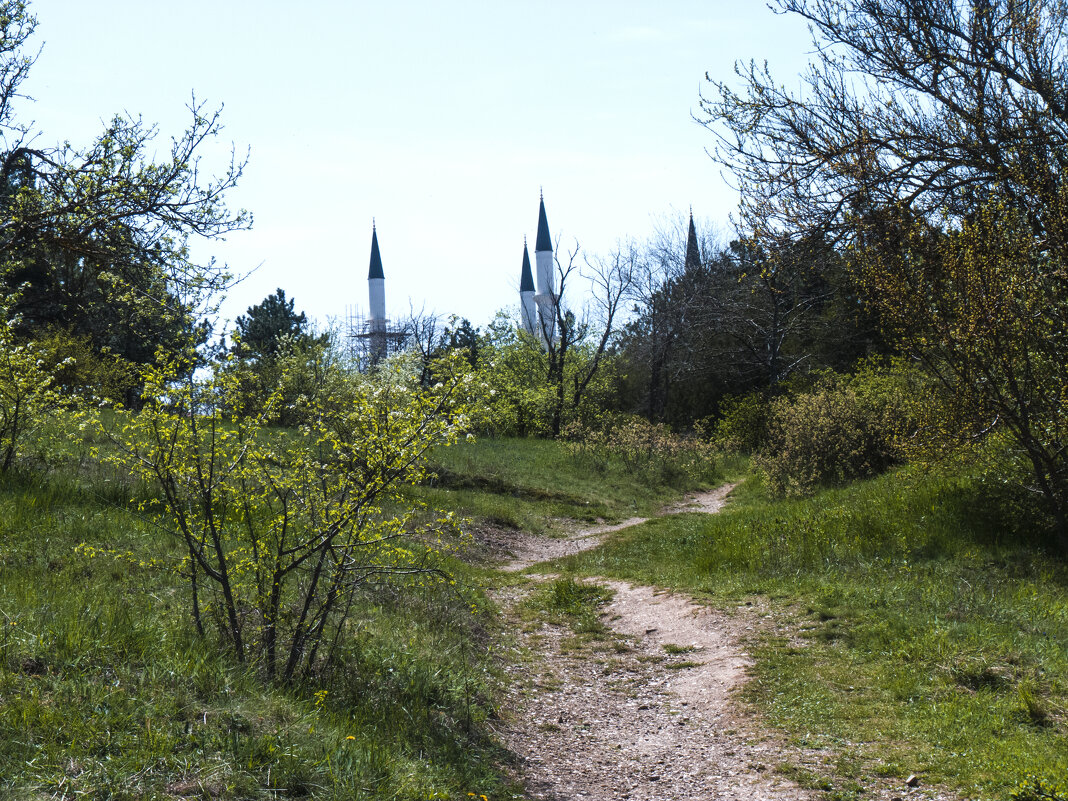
(544, 242)
(375, 270)
(543, 257)
(693, 252)
(526, 277)
(376, 295)
(527, 311)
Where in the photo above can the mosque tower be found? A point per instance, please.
(376, 285)
(526, 295)
(693, 252)
(376, 290)
(543, 257)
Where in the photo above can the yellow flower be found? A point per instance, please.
(350, 737)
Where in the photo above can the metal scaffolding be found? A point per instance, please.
(370, 341)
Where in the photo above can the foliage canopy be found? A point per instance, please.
(95, 238)
(932, 139)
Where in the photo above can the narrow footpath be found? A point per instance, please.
(649, 713)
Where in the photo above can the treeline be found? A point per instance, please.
(908, 201)
(910, 223)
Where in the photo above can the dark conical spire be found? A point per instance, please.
(376, 257)
(544, 241)
(693, 253)
(526, 278)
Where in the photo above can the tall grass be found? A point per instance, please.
(108, 693)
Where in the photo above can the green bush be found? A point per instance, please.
(28, 394)
(843, 428)
(743, 425)
(650, 450)
(82, 370)
(1033, 788)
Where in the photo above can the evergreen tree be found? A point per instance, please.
(273, 344)
(270, 326)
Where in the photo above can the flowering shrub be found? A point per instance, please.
(280, 527)
(28, 394)
(642, 448)
(743, 425)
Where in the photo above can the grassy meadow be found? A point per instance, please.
(106, 692)
(926, 632)
(542, 485)
(919, 628)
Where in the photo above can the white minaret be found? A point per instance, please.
(543, 257)
(376, 290)
(376, 285)
(526, 295)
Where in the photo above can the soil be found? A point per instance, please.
(650, 711)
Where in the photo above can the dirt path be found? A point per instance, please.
(649, 713)
(528, 549)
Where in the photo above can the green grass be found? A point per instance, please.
(929, 626)
(568, 602)
(106, 692)
(535, 485)
(927, 633)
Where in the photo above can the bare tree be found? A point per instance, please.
(737, 318)
(425, 335)
(670, 296)
(769, 306)
(577, 341)
(612, 281)
(924, 104)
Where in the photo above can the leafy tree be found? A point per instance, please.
(925, 105)
(274, 347)
(84, 372)
(429, 340)
(98, 235)
(515, 397)
(464, 337)
(121, 318)
(745, 317)
(534, 385)
(269, 327)
(984, 305)
(658, 343)
(27, 387)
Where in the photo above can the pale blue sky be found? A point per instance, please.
(439, 119)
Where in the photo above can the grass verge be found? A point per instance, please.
(539, 486)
